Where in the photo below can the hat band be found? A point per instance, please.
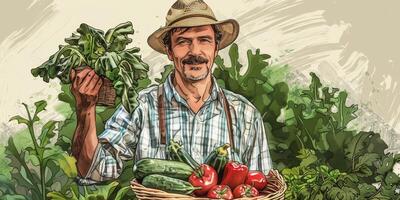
(189, 16)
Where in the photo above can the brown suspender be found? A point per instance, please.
(162, 123)
(161, 114)
(228, 118)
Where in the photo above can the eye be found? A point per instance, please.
(205, 40)
(182, 41)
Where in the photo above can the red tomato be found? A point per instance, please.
(244, 190)
(256, 179)
(220, 192)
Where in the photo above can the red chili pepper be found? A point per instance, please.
(205, 177)
(220, 192)
(256, 179)
(244, 190)
(234, 174)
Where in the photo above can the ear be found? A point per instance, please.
(169, 54)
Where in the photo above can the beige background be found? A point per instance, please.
(352, 45)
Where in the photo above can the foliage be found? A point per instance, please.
(308, 133)
(36, 167)
(42, 170)
(267, 94)
(106, 54)
(307, 129)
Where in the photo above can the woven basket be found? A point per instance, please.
(106, 94)
(275, 190)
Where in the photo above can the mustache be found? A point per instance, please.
(194, 60)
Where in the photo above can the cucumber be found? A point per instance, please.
(178, 153)
(168, 184)
(218, 159)
(168, 168)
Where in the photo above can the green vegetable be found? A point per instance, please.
(106, 54)
(218, 159)
(168, 168)
(168, 184)
(178, 153)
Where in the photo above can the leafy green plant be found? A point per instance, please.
(42, 170)
(36, 167)
(308, 133)
(106, 54)
(101, 192)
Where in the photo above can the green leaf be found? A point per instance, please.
(91, 43)
(121, 193)
(367, 159)
(366, 190)
(392, 178)
(344, 114)
(164, 74)
(13, 197)
(56, 196)
(68, 165)
(40, 106)
(387, 165)
(48, 132)
(117, 37)
(106, 190)
(307, 157)
(19, 119)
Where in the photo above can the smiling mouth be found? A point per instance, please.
(194, 67)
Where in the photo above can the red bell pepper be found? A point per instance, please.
(234, 174)
(220, 192)
(205, 177)
(256, 179)
(244, 190)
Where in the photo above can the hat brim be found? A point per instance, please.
(229, 29)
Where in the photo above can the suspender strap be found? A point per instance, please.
(161, 114)
(228, 119)
(162, 121)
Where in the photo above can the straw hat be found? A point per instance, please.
(189, 13)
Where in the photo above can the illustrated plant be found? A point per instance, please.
(42, 170)
(36, 167)
(308, 133)
(106, 54)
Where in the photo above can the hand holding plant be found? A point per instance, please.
(85, 87)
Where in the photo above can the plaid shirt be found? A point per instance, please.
(136, 136)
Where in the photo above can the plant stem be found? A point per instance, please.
(39, 157)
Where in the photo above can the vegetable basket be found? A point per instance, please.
(107, 94)
(274, 190)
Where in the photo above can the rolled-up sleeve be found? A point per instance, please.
(260, 158)
(116, 144)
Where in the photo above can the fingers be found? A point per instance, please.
(84, 86)
(81, 75)
(95, 90)
(72, 75)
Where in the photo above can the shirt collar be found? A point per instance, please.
(170, 91)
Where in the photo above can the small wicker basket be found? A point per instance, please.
(106, 94)
(275, 190)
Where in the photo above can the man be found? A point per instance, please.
(189, 107)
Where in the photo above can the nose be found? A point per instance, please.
(195, 48)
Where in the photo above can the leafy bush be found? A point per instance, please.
(42, 170)
(312, 146)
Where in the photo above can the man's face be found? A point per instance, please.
(193, 52)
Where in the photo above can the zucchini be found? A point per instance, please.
(168, 168)
(168, 184)
(178, 153)
(218, 159)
